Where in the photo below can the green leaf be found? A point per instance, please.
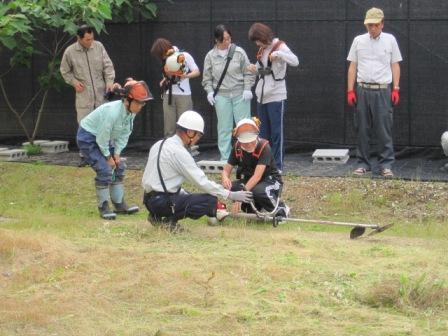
(152, 8)
(105, 11)
(8, 41)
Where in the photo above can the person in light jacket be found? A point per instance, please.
(111, 124)
(273, 57)
(232, 100)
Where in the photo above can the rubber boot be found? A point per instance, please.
(102, 194)
(117, 197)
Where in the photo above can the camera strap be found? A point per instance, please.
(229, 58)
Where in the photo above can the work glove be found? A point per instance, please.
(247, 95)
(395, 97)
(241, 196)
(211, 99)
(351, 98)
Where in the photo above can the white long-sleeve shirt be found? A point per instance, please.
(176, 165)
(275, 90)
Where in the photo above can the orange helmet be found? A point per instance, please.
(137, 90)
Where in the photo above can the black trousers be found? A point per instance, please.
(186, 205)
(265, 194)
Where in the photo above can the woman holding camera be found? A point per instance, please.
(273, 57)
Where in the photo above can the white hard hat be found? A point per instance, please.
(246, 130)
(191, 120)
(444, 141)
(174, 63)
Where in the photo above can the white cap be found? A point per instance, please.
(246, 130)
(247, 137)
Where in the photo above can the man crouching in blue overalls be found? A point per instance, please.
(108, 124)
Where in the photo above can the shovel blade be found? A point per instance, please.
(357, 231)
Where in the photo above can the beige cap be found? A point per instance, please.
(374, 15)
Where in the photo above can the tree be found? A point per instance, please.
(24, 23)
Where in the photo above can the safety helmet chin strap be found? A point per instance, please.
(128, 108)
(190, 138)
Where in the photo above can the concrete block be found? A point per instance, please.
(215, 167)
(13, 155)
(339, 156)
(36, 142)
(54, 146)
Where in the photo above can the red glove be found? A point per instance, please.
(395, 96)
(351, 98)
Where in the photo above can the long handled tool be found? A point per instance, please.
(357, 231)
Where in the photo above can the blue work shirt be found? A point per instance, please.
(110, 122)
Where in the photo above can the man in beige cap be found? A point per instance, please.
(374, 64)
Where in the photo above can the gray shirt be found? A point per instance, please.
(237, 79)
(91, 67)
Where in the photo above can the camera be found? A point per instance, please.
(264, 71)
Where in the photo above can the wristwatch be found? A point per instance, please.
(397, 88)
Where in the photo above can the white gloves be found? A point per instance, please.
(247, 95)
(211, 99)
(241, 196)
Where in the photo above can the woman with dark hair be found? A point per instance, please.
(273, 57)
(176, 91)
(227, 81)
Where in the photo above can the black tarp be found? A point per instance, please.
(320, 32)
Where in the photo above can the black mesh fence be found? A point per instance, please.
(320, 32)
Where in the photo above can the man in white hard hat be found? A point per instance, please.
(374, 65)
(169, 165)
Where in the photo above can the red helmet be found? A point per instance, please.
(138, 90)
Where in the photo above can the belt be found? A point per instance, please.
(373, 86)
(154, 193)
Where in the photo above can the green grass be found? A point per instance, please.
(64, 271)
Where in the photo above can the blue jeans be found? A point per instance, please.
(271, 116)
(89, 148)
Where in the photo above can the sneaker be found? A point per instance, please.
(283, 211)
(123, 208)
(221, 213)
(106, 212)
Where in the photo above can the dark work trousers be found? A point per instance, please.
(271, 116)
(186, 205)
(265, 194)
(374, 117)
(95, 158)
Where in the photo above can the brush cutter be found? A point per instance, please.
(358, 228)
(357, 231)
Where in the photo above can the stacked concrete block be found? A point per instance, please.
(54, 147)
(214, 167)
(339, 156)
(12, 155)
